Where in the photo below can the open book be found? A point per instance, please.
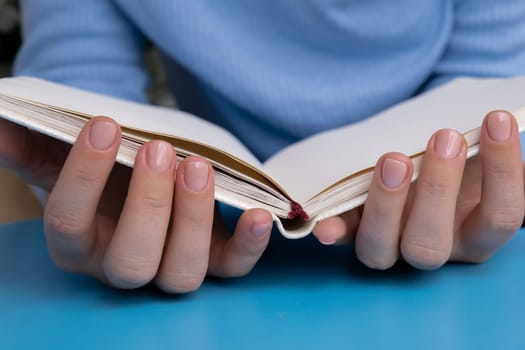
(321, 176)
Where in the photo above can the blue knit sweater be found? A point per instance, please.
(274, 71)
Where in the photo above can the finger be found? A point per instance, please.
(185, 260)
(339, 229)
(34, 157)
(500, 211)
(133, 256)
(237, 255)
(330, 230)
(426, 241)
(15, 141)
(69, 215)
(377, 239)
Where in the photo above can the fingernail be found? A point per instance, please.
(448, 143)
(102, 135)
(393, 172)
(328, 242)
(159, 155)
(196, 175)
(259, 230)
(499, 126)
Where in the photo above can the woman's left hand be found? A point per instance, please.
(457, 210)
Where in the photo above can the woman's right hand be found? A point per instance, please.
(131, 227)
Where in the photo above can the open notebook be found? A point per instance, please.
(318, 177)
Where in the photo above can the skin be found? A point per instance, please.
(156, 223)
(129, 228)
(457, 210)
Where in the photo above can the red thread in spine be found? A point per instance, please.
(296, 210)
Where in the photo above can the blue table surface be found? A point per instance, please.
(301, 295)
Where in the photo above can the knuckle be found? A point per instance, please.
(180, 282)
(505, 222)
(434, 189)
(63, 224)
(501, 169)
(424, 256)
(156, 202)
(129, 272)
(193, 218)
(86, 179)
(249, 249)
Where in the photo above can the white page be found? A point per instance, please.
(308, 167)
(139, 116)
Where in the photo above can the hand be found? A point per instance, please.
(127, 228)
(456, 210)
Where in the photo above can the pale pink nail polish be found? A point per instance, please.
(393, 172)
(159, 155)
(328, 242)
(499, 126)
(259, 230)
(102, 134)
(448, 143)
(196, 175)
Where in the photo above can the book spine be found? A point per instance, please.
(296, 210)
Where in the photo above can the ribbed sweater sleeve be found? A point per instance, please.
(487, 40)
(90, 45)
(275, 71)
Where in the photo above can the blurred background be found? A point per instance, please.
(17, 201)
(10, 39)
(9, 34)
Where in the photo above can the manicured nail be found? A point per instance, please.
(159, 155)
(448, 143)
(393, 172)
(328, 242)
(196, 175)
(499, 126)
(102, 134)
(259, 230)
